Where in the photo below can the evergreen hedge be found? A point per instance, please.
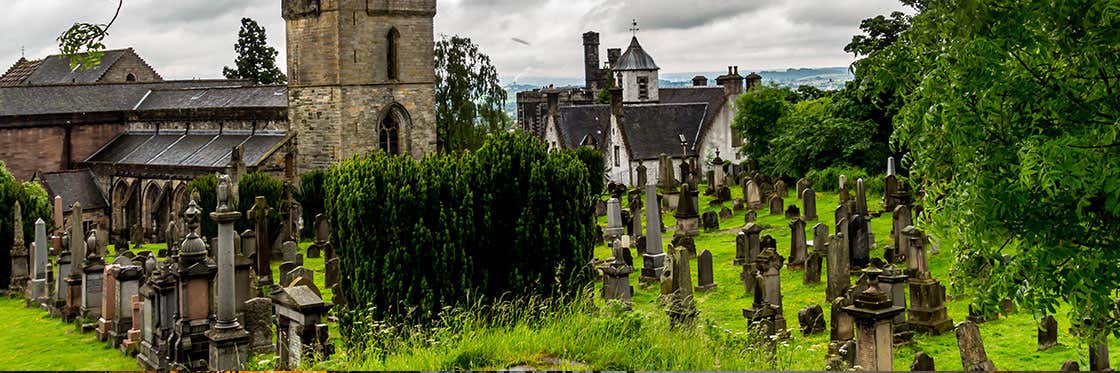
(311, 197)
(248, 188)
(413, 237)
(34, 204)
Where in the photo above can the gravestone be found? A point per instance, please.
(710, 221)
(284, 268)
(653, 260)
(723, 194)
(331, 273)
(922, 363)
(901, 219)
(636, 214)
(752, 246)
(40, 292)
(1098, 355)
(1047, 333)
(781, 189)
(842, 189)
(194, 276)
(859, 244)
(685, 242)
(842, 213)
(792, 212)
(893, 283)
(765, 313)
(820, 238)
(813, 265)
(873, 312)
(839, 275)
(301, 326)
(798, 251)
(843, 326)
(615, 227)
(801, 185)
(617, 283)
(705, 276)
(296, 273)
(811, 319)
(322, 243)
(753, 195)
(861, 198)
(776, 205)
(768, 242)
(809, 201)
(108, 305)
(682, 308)
(687, 214)
(890, 190)
(93, 278)
(290, 252)
(725, 213)
(750, 216)
(257, 313)
(228, 340)
(973, 356)
(927, 296)
(20, 261)
(1070, 366)
(259, 214)
(738, 205)
(641, 174)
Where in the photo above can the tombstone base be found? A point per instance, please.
(652, 267)
(927, 307)
(152, 357)
(38, 298)
(767, 320)
(130, 346)
(229, 349)
(705, 288)
(103, 329)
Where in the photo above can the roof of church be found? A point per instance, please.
(74, 186)
(178, 148)
(655, 129)
(272, 96)
(635, 58)
(56, 69)
(578, 122)
(715, 97)
(112, 97)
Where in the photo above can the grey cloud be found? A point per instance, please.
(672, 14)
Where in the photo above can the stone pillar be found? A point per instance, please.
(74, 277)
(873, 312)
(653, 260)
(861, 198)
(927, 296)
(893, 283)
(845, 196)
(39, 288)
(229, 342)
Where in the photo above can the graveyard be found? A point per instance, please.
(590, 332)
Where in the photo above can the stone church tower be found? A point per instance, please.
(361, 77)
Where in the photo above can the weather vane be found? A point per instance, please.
(635, 28)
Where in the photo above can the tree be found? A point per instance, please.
(256, 60)
(881, 33)
(469, 97)
(757, 117)
(1014, 135)
(83, 43)
(809, 137)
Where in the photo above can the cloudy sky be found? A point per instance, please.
(186, 39)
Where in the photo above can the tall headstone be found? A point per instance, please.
(56, 237)
(229, 342)
(809, 201)
(617, 272)
(740, 248)
(813, 265)
(126, 278)
(859, 241)
(653, 259)
(158, 308)
(901, 218)
(190, 348)
(40, 294)
(801, 185)
(873, 312)
(973, 356)
(665, 173)
(893, 283)
(642, 175)
(798, 250)
(843, 213)
(301, 326)
(615, 229)
(753, 247)
(781, 189)
(845, 195)
(890, 192)
(861, 198)
(108, 301)
(21, 273)
(705, 272)
(754, 195)
(259, 214)
(93, 277)
(927, 296)
(765, 313)
(636, 215)
(258, 322)
(839, 275)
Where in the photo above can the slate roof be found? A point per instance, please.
(74, 186)
(578, 122)
(91, 98)
(19, 72)
(655, 129)
(177, 148)
(216, 97)
(56, 69)
(635, 58)
(713, 96)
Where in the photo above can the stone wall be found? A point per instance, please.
(719, 137)
(130, 63)
(25, 150)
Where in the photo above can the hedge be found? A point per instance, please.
(413, 237)
(248, 188)
(311, 198)
(34, 204)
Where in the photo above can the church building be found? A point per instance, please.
(126, 141)
(643, 120)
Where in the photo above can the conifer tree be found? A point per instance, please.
(256, 60)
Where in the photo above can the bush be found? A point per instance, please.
(207, 188)
(828, 180)
(34, 205)
(413, 237)
(311, 197)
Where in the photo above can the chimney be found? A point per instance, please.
(732, 83)
(553, 98)
(736, 71)
(592, 73)
(613, 55)
(616, 103)
(700, 81)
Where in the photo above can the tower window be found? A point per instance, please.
(391, 41)
(389, 139)
(643, 88)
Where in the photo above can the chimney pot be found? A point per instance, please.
(736, 70)
(729, 70)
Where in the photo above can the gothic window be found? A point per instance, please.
(643, 88)
(389, 138)
(130, 78)
(391, 41)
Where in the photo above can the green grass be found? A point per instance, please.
(33, 341)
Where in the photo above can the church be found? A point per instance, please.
(642, 120)
(125, 142)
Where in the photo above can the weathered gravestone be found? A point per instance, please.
(617, 272)
(839, 275)
(859, 244)
(765, 314)
(228, 340)
(725, 213)
(682, 308)
(710, 221)
(705, 276)
(615, 227)
(776, 205)
(751, 247)
(1047, 333)
(322, 245)
(813, 266)
(753, 195)
(798, 251)
(811, 319)
(20, 270)
(301, 326)
(781, 189)
(809, 201)
(642, 175)
(973, 356)
(842, 187)
(291, 252)
(1070, 366)
(257, 314)
(259, 214)
(901, 218)
(892, 282)
(861, 198)
(792, 212)
(750, 216)
(653, 260)
(927, 296)
(922, 363)
(723, 194)
(873, 312)
(284, 268)
(801, 185)
(687, 214)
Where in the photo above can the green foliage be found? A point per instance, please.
(1013, 135)
(264, 185)
(413, 237)
(809, 137)
(757, 116)
(828, 180)
(312, 197)
(881, 32)
(596, 166)
(83, 43)
(256, 60)
(469, 95)
(207, 188)
(34, 205)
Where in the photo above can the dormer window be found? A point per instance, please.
(391, 42)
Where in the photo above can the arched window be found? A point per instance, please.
(389, 138)
(391, 66)
(130, 78)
